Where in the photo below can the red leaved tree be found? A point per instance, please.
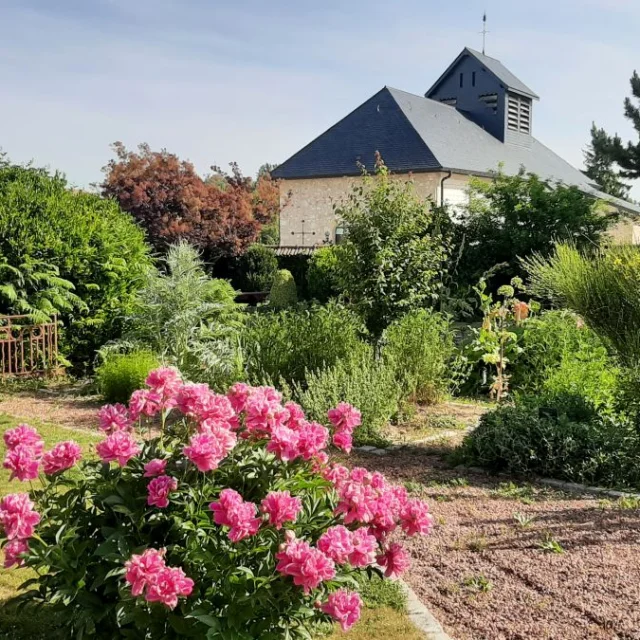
(221, 216)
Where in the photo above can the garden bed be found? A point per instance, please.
(515, 561)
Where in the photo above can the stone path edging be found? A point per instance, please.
(572, 487)
(421, 617)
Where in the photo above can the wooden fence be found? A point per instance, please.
(27, 349)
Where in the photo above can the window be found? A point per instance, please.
(473, 78)
(461, 80)
(450, 101)
(340, 233)
(490, 101)
(518, 113)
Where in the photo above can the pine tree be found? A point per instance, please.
(627, 156)
(598, 160)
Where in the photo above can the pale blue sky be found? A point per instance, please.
(254, 81)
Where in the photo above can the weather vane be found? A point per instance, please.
(484, 30)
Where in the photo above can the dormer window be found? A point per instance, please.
(518, 113)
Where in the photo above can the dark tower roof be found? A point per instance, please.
(495, 67)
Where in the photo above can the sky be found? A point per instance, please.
(251, 81)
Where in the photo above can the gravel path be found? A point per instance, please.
(511, 561)
(56, 408)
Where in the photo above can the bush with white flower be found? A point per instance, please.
(205, 516)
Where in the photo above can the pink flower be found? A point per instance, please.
(284, 443)
(206, 450)
(415, 518)
(344, 607)
(22, 462)
(168, 584)
(313, 439)
(62, 456)
(159, 489)
(190, 397)
(17, 517)
(336, 543)
(307, 566)
(114, 417)
(118, 446)
(296, 415)
(344, 417)
(364, 548)
(343, 440)
(155, 467)
(336, 474)
(144, 402)
(165, 382)
(232, 511)
(264, 412)
(215, 409)
(12, 552)
(238, 395)
(26, 436)
(141, 570)
(395, 560)
(281, 507)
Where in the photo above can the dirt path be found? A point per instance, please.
(57, 407)
(518, 562)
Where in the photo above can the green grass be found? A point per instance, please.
(29, 624)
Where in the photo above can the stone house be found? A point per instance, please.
(476, 118)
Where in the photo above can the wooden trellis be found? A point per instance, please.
(27, 349)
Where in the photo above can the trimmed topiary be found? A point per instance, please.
(283, 290)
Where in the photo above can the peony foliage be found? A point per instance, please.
(203, 516)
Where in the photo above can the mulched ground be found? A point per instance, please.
(493, 569)
(59, 406)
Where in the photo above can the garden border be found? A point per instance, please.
(572, 487)
(421, 617)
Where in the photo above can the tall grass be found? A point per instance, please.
(604, 288)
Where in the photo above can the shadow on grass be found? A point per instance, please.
(28, 622)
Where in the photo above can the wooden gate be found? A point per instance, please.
(27, 349)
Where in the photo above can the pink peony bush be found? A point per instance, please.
(230, 522)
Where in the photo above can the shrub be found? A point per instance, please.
(163, 538)
(283, 292)
(322, 276)
(284, 345)
(122, 373)
(527, 440)
(257, 268)
(560, 355)
(421, 350)
(393, 255)
(512, 217)
(361, 380)
(603, 288)
(80, 244)
(188, 319)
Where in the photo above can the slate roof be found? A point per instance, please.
(417, 134)
(496, 67)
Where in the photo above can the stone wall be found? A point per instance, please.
(308, 218)
(314, 200)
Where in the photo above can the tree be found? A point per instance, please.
(627, 156)
(69, 252)
(221, 215)
(512, 217)
(393, 254)
(599, 164)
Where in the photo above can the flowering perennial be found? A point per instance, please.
(240, 496)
